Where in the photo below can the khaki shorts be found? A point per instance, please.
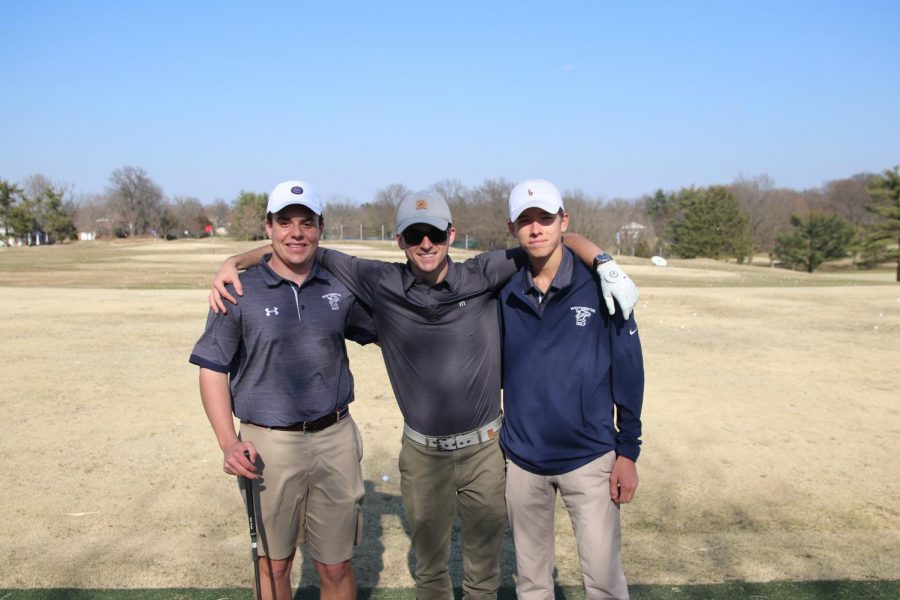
(310, 490)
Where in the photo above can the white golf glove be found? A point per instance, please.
(616, 284)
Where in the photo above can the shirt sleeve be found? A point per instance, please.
(627, 374)
(218, 347)
(359, 275)
(498, 266)
(360, 325)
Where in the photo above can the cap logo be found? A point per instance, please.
(297, 190)
(530, 192)
(421, 204)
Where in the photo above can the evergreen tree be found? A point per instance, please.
(9, 193)
(249, 216)
(815, 239)
(660, 209)
(885, 233)
(57, 216)
(708, 223)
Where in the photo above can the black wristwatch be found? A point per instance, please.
(601, 258)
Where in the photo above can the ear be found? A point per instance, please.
(400, 242)
(512, 228)
(269, 228)
(565, 222)
(451, 236)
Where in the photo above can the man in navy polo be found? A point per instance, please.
(573, 384)
(279, 363)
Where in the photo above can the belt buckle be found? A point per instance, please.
(446, 443)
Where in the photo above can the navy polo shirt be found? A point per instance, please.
(283, 346)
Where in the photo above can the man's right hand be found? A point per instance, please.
(237, 463)
(226, 274)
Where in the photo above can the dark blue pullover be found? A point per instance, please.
(566, 366)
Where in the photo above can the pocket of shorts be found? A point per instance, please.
(359, 525)
(359, 441)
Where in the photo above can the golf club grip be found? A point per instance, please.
(251, 506)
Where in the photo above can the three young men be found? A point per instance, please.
(439, 332)
(278, 362)
(573, 389)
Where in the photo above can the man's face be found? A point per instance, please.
(295, 231)
(539, 232)
(426, 255)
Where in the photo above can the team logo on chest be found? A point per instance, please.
(582, 313)
(272, 312)
(333, 300)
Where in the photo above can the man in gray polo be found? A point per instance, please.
(279, 363)
(439, 332)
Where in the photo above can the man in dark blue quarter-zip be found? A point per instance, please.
(573, 384)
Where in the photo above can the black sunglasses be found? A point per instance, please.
(414, 237)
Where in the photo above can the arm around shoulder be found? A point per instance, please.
(615, 284)
(228, 273)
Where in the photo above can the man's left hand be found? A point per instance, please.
(615, 284)
(623, 481)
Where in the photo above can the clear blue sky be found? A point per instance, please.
(615, 98)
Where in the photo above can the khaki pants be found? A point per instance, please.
(531, 500)
(435, 484)
(310, 489)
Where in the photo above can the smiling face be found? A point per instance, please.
(427, 258)
(295, 231)
(539, 232)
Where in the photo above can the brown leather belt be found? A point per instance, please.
(309, 426)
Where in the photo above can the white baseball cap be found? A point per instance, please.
(291, 192)
(534, 193)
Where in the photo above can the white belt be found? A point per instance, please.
(460, 440)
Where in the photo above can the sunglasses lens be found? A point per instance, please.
(414, 237)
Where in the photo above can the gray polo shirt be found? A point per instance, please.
(283, 346)
(441, 344)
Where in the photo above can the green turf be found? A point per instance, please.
(778, 590)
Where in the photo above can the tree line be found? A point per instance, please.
(856, 217)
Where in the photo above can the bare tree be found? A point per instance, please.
(219, 213)
(392, 195)
(342, 218)
(381, 215)
(486, 215)
(189, 215)
(455, 194)
(849, 198)
(93, 214)
(136, 200)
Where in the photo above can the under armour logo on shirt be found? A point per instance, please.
(272, 311)
(333, 300)
(581, 314)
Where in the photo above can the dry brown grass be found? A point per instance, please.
(771, 427)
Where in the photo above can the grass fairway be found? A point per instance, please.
(776, 590)
(770, 435)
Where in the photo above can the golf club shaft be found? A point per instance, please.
(251, 517)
